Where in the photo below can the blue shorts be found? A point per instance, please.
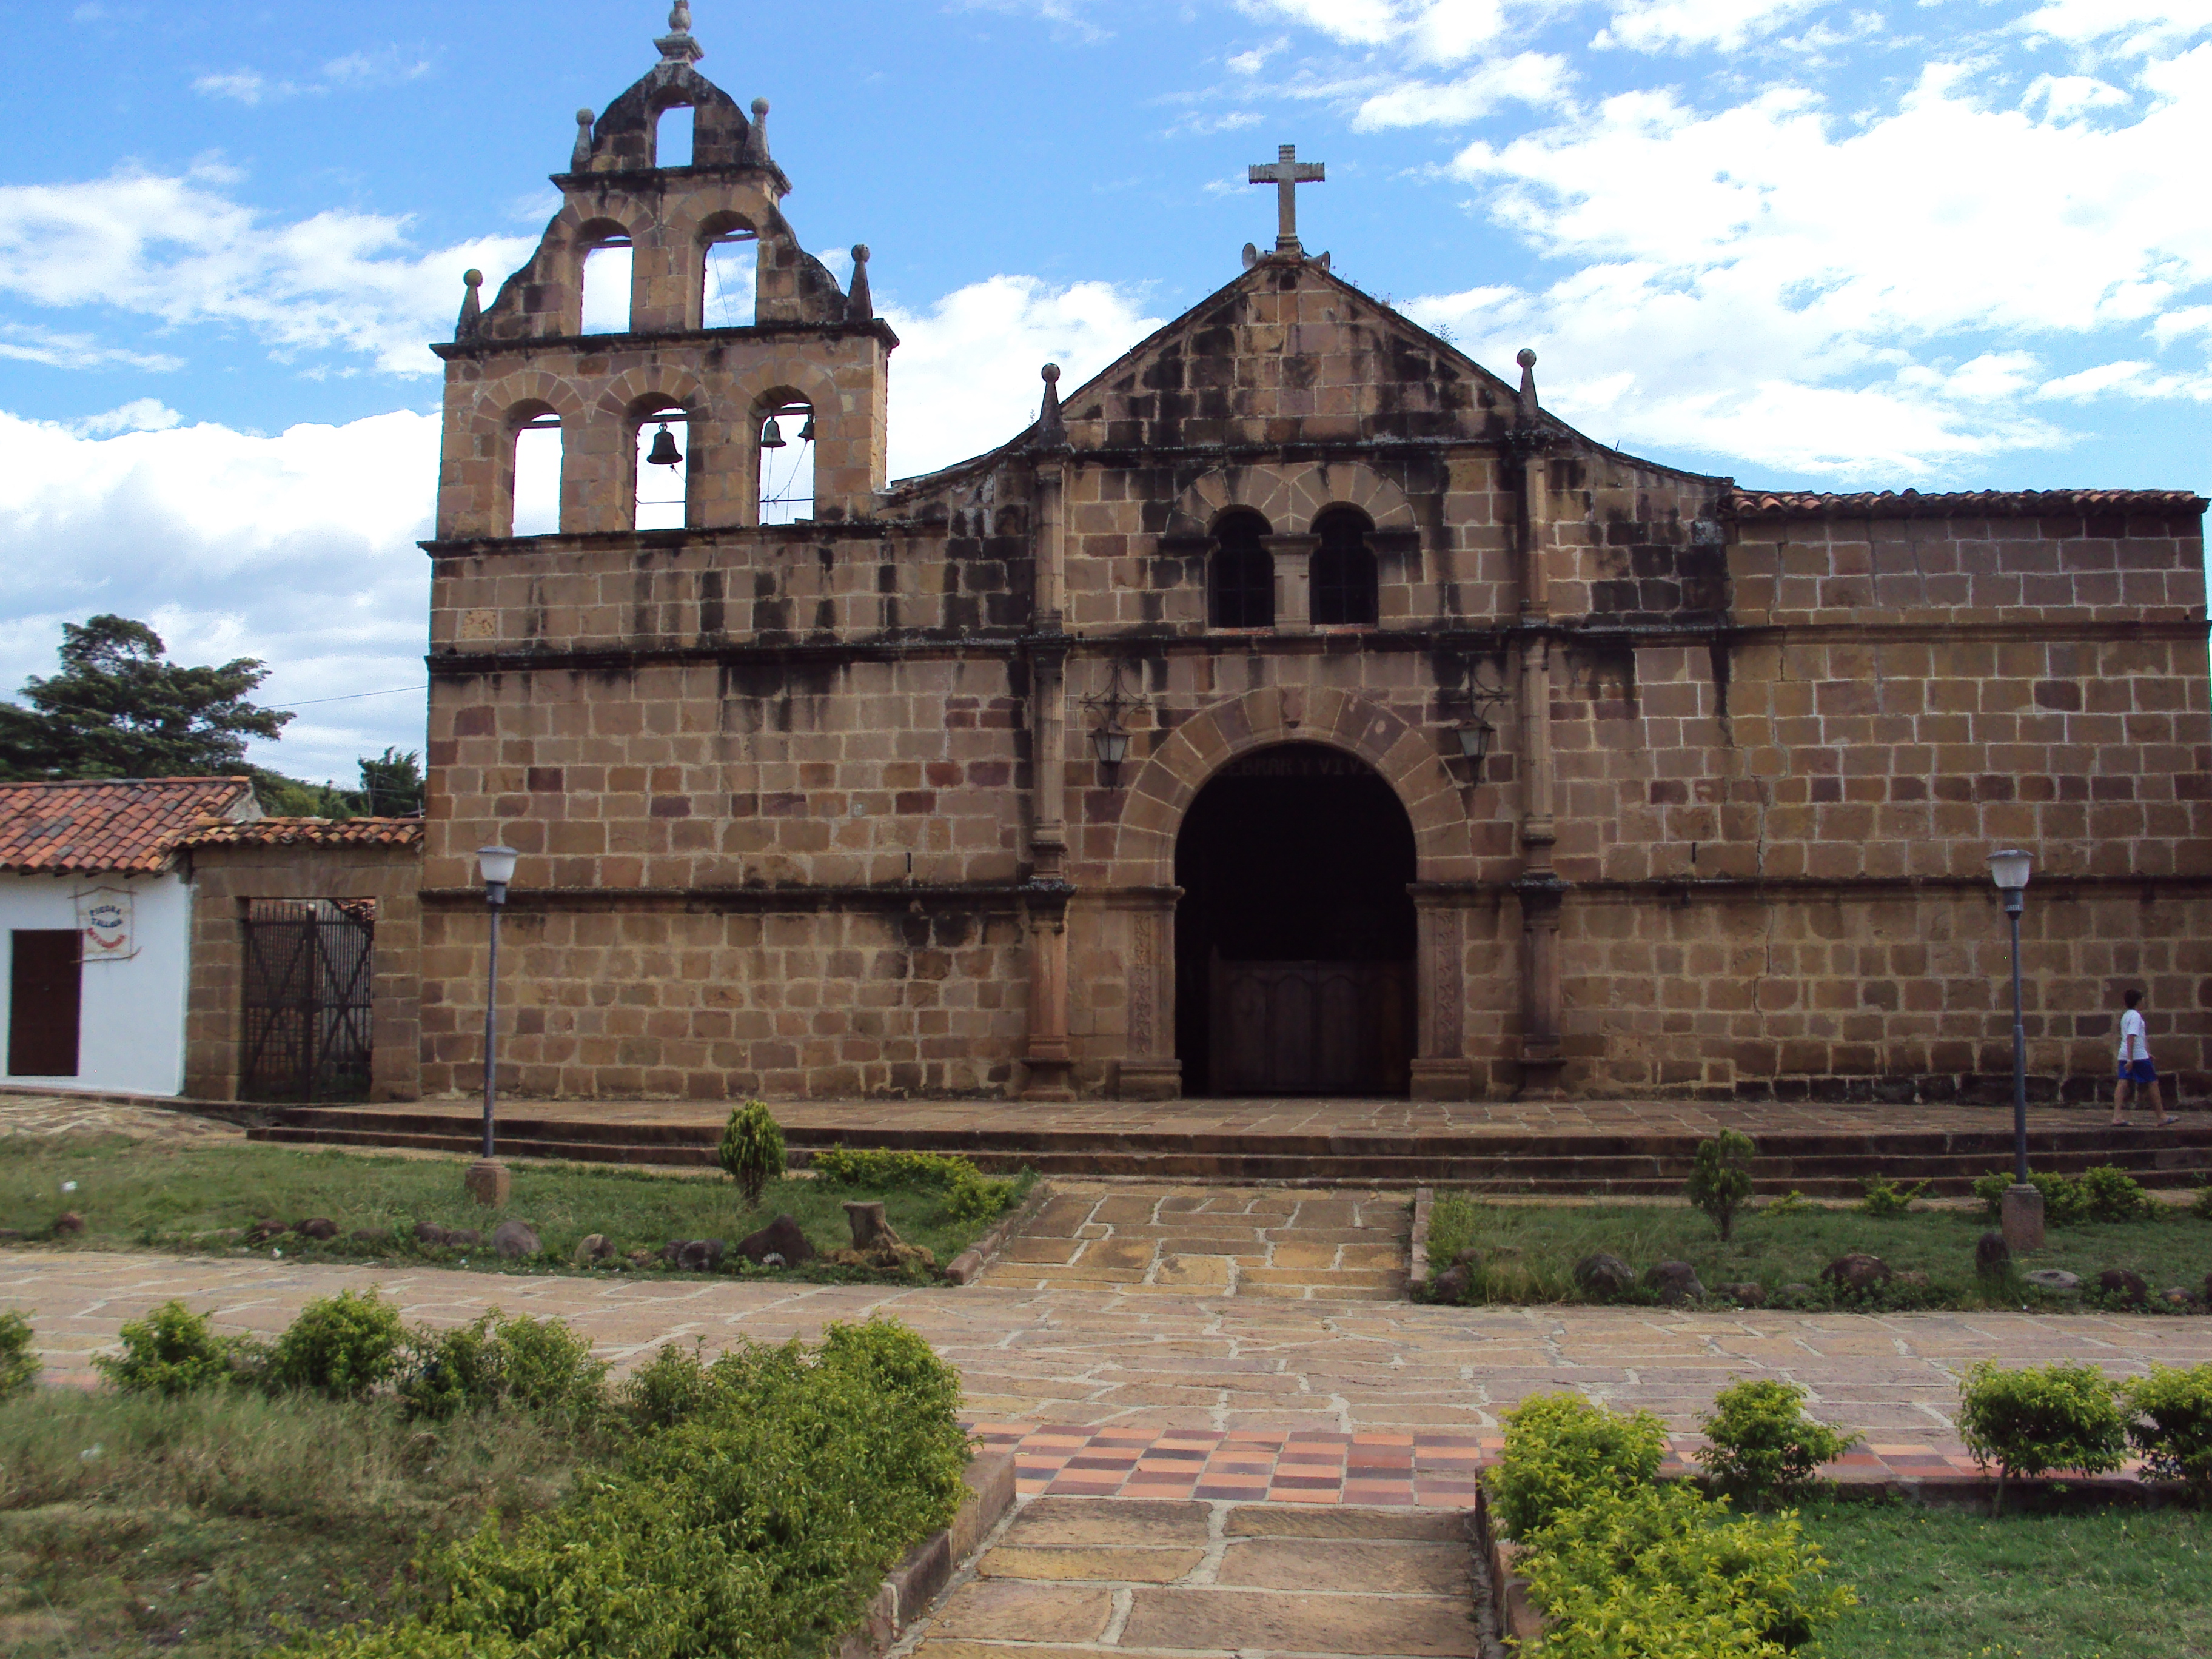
(2137, 1071)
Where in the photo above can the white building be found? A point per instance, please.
(96, 901)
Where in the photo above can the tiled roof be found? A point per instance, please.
(126, 824)
(1987, 503)
(309, 832)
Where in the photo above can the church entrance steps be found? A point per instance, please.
(1598, 1147)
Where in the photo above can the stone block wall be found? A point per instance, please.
(712, 999)
(224, 879)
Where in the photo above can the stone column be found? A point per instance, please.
(1293, 557)
(1442, 1070)
(1149, 1069)
(1539, 887)
(1050, 1060)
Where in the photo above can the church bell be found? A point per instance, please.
(771, 434)
(664, 452)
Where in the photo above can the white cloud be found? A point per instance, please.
(964, 378)
(298, 548)
(1538, 79)
(1252, 62)
(1671, 25)
(242, 86)
(2143, 24)
(26, 343)
(139, 415)
(181, 250)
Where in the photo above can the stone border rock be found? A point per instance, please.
(925, 1569)
(1417, 1254)
(964, 1268)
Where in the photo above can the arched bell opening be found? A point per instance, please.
(1295, 936)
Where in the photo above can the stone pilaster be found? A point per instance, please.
(1293, 557)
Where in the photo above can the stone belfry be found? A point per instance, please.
(525, 360)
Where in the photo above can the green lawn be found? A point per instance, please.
(1529, 1250)
(2106, 1583)
(204, 1526)
(138, 1195)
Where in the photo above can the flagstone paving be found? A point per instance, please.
(1339, 1243)
(1056, 1361)
(71, 1114)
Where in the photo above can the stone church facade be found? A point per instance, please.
(1296, 706)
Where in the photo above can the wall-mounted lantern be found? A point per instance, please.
(1475, 732)
(1109, 738)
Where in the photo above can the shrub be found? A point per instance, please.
(18, 1355)
(2063, 1203)
(2177, 1440)
(2109, 1194)
(668, 1388)
(1559, 1448)
(752, 1149)
(1765, 1448)
(172, 1351)
(1663, 1572)
(1884, 1199)
(342, 1346)
(969, 1194)
(2200, 1207)
(520, 1364)
(752, 1524)
(2040, 1418)
(1720, 1178)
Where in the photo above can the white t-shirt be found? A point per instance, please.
(2131, 1032)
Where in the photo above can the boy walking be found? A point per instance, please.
(2135, 1066)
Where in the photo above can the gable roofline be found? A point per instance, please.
(111, 826)
(1964, 503)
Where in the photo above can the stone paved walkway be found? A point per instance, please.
(1155, 1362)
(66, 1115)
(1339, 1243)
(1072, 1576)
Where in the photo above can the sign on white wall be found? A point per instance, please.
(103, 917)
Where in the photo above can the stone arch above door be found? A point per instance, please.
(1405, 755)
(1290, 496)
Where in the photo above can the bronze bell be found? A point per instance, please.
(664, 452)
(806, 432)
(771, 434)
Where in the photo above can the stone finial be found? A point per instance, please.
(580, 157)
(676, 46)
(859, 304)
(757, 139)
(1527, 359)
(472, 322)
(1051, 429)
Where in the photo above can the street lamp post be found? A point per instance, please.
(487, 1179)
(2022, 1209)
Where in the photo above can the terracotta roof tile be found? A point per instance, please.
(308, 832)
(126, 824)
(1986, 503)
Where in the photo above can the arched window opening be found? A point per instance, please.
(730, 267)
(663, 438)
(671, 137)
(536, 488)
(1242, 581)
(1344, 575)
(606, 287)
(787, 465)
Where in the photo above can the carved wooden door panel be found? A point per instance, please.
(1311, 1028)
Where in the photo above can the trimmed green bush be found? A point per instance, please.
(752, 1149)
(1559, 1448)
(20, 1363)
(1885, 1198)
(969, 1194)
(1765, 1450)
(671, 1387)
(2109, 1194)
(2040, 1418)
(495, 1363)
(2200, 1206)
(340, 1345)
(2177, 1440)
(172, 1351)
(753, 1523)
(2105, 1194)
(1720, 1178)
(1664, 1572)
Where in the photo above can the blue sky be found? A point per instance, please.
(1956, 244)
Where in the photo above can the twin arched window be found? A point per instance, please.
(1342, 576)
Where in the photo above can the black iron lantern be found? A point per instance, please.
(1474, 736)
(664, 452)
(1111, 744)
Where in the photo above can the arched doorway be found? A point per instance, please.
(1295, 935)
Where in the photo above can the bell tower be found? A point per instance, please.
(679, 349)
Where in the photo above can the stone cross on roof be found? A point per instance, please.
(1286, 174)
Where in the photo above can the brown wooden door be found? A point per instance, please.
(45, 997)
(1309, 1028)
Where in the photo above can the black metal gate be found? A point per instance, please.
(308, 985)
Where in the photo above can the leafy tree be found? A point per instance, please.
(392, 784)
(119, 709)
(1720, 1178)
